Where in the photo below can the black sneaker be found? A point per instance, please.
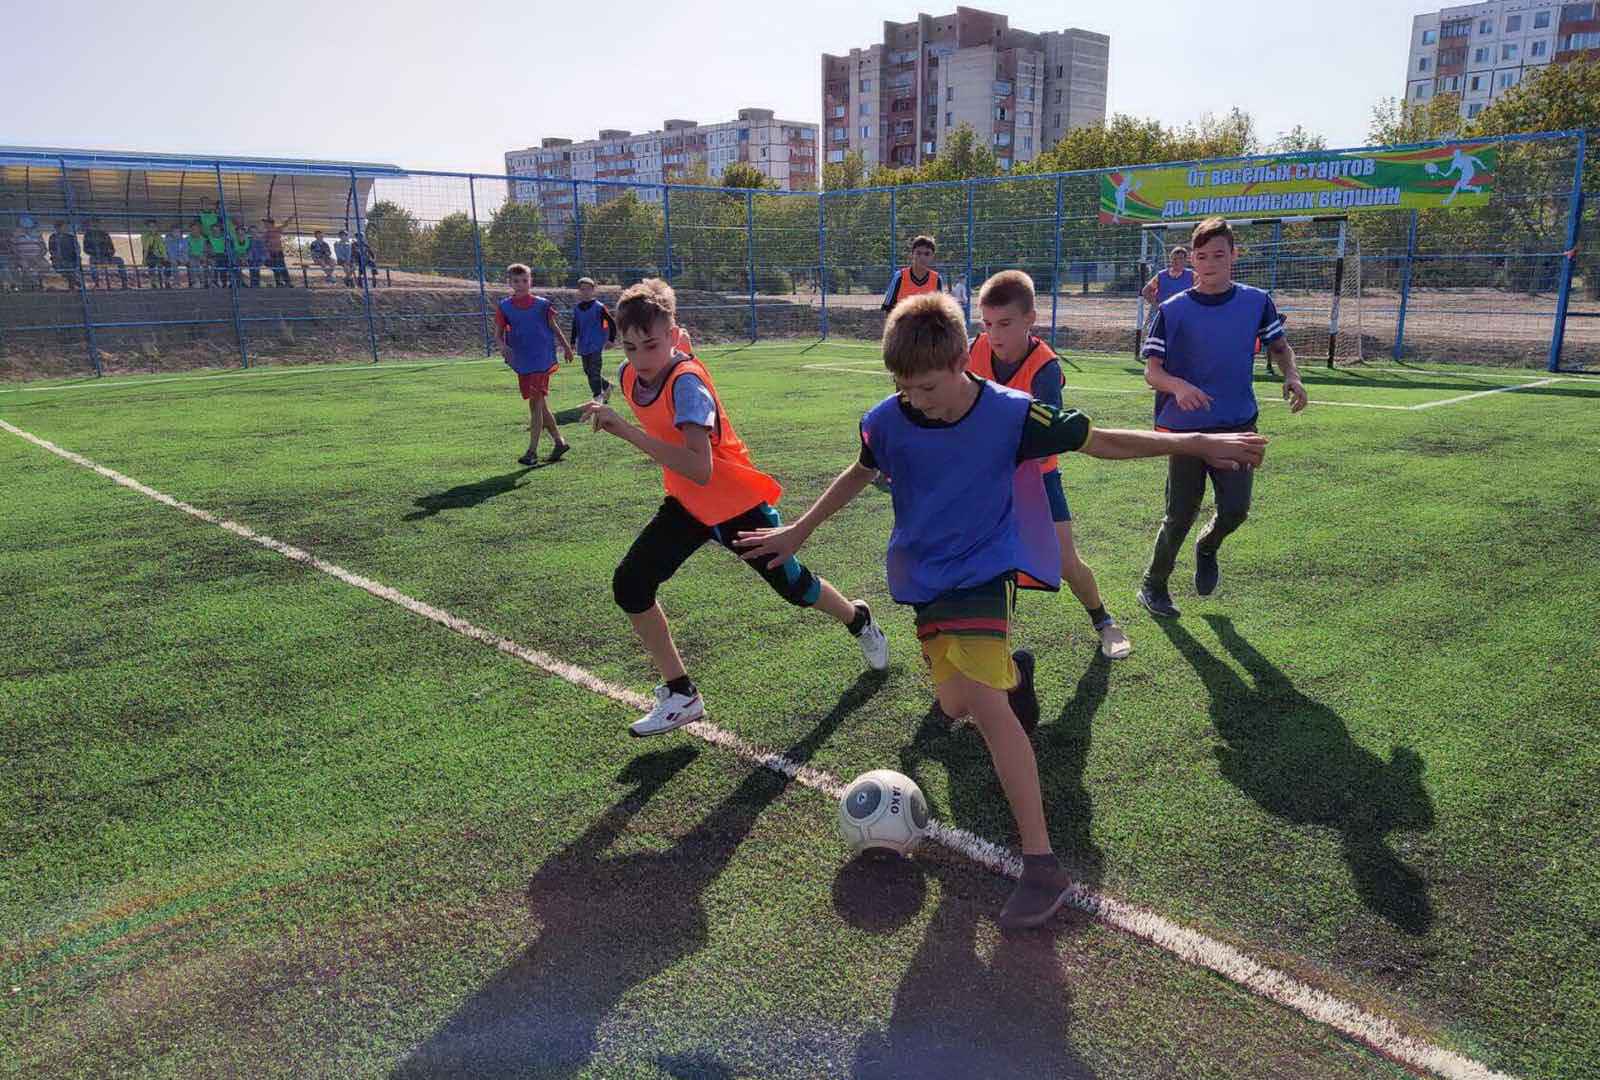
(1024, 702)
(1157, 602)
(1038, 896)
(1206, 571)
(558, 453)
(528, 460)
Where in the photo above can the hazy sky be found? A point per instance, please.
(441, 86)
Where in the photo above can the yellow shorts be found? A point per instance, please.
(984, 660)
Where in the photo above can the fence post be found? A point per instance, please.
(1277, 245)
(1405, 287)
(894, 229)
(1558, 332)
(83, 292)
(366, 292)
(750, 254)
(966, 284)
(666, 231)
(477, 260)
(822, 261)
(233, 270)
(577, 229)
(1055, 266)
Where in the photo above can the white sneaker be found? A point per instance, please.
(874, 644)
(1113, 642)
(672, 711)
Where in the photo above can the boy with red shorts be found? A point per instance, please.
(526, 328)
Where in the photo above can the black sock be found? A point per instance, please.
(681, 685)
(1098, 615)
(1040, 864)
(859, 623)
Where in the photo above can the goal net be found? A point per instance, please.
(1310, 265)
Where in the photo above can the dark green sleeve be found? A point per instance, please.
(1049, 430)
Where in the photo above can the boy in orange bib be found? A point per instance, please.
(918, 278)
(714, 492)
(1007, 353)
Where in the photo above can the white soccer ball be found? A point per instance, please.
(1431, 168)
(883, 810)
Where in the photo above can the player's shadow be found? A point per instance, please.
(1062, 749)
(958, 1015)
(1294, 756)
(465, 496)
(609, 923)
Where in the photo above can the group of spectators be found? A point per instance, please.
(206, 252)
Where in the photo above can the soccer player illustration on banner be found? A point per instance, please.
(1466, 166)
(1125, 187)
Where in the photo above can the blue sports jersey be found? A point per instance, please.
(530, 331)
(591, 327)
(1208, 339)
(1168, 286)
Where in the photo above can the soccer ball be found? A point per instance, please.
(883, 810)
(1431, 169)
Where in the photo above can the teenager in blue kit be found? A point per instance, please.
(1200, 360)
(971, 515)
(525, 325)
(592, 330)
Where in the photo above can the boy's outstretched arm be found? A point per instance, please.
(779, 545)
(1048, 431)
(1294, 391)
(692, 459)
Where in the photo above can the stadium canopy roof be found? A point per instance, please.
(122, 186)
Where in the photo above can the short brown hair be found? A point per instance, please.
(1179, 250)
(924, 241)
(925, 333)
(518, 268)
(1208, 230)
(1007, 287)
(644, 306)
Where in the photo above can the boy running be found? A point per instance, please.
(918, 278)
(592, 330)
(1199, 359)
(1007, 353)
(969, 516)
(525, 326)
(714, 492)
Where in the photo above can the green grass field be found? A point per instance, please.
(258, 822)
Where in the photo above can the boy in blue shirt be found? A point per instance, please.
(592, 330)
(1176, 278)
(525, 325)
(970, 515)
(1199, 358)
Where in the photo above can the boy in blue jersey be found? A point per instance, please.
(1199, 358)
(592, 330)
(970, 515)
(1176, 278)
(525, 326)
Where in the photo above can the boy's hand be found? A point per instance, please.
(505, 353)
(1191, 397)
(1294, 392)
(568, 351)
(1232, 452)
(780, 544)
(603, 417)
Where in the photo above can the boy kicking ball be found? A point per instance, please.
(714, 492)
(967, 521)
(525, 325)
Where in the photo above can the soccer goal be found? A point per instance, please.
(1311, 265)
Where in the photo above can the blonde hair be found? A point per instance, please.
(518, 268)
(1007, 287)
(924, 333)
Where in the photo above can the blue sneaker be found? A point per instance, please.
(1206, 571)
(1157, 602)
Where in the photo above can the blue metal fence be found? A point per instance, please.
(381, 261)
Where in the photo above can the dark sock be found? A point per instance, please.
(681, 685)
(859, 623)
(1037, 865)
(1098, 615)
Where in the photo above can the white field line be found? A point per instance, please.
(1191, 946)
(253, 373)
(1485, 393)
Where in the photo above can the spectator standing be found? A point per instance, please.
(272, 236)
(341, 252)
(64, 255)
(154, 246)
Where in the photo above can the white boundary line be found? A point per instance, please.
(308, 369)
(1485, 393)
(1376, 1032)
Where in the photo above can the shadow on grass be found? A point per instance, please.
(1295, 758)
(466, 496)
(609, 923)
(957, 1014)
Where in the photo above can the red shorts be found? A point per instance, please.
(537, 382)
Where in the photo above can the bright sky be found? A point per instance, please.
(432, 86)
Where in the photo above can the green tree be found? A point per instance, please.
(449, 248)
(516, 234)
(1297, 140)
(742, 174)
(845, 175)
(394, 233)
(1396, 122)
(622, 239)
(1558, 97)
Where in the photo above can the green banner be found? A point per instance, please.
(1457, 175)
